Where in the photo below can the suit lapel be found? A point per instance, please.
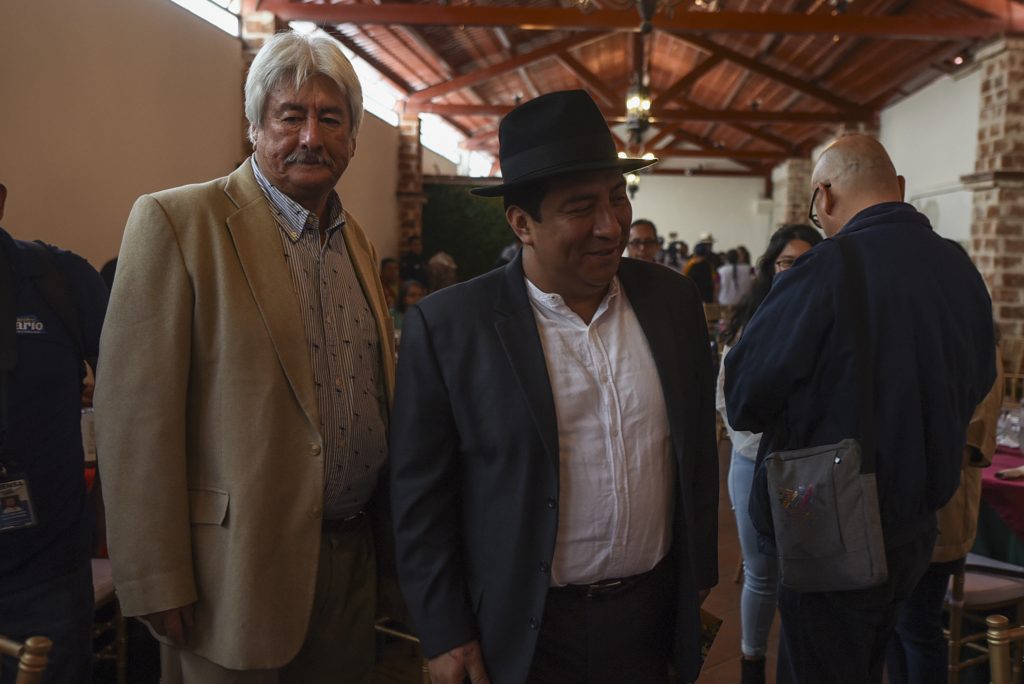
(517, 330)
(257, 241)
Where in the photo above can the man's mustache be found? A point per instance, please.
(309, 157)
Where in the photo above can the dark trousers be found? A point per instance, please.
(60, 609)
(917, 651)
(840, 637)
(609, 638)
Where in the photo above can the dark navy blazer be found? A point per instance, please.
(792, 374)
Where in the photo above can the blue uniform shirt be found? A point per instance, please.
(44, 440)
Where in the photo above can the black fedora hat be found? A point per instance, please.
(554, 134)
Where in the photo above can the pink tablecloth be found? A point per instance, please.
(1006, 497)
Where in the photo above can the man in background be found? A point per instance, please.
(793, 376)
(643, 241)
(52, 304)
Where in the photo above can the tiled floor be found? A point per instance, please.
(400, 664)
(723, 663)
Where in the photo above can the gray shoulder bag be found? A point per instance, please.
(824, 500)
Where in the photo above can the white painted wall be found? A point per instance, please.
(691, 205)
(932, 139)
(368, 187)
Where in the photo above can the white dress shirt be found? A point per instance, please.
(615, 465)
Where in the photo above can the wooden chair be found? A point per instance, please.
(386, 628)
(982, 585)
(1004, 648)
(109, 635)
(1012, 351)
(32, 657)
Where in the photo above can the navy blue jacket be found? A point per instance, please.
(44, 438)
(792, 374)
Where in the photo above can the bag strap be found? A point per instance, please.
(8, 338)
(56, 292)
(857, 310)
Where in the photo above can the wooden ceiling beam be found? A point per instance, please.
(702, 143)
(777, 75)
(684, 84)
(715, 173)
(665, 132)
(920, 27)
(1003, 9)
(383, 69)
(480, 75)
(670, 115)
(720, 153)
(589, 79)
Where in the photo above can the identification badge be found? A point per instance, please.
(16, 511)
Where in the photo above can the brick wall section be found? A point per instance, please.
(791, 191)
(997, 225)
(410, 179)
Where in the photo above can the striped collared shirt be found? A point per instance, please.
(344, 349)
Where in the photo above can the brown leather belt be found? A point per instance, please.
(603, 589)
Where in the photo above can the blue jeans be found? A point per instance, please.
(917, 652)
(760, 571)
(60, 609)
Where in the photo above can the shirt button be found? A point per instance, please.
(551, 502)
(533, 623)
(337, 382)
(315, 450)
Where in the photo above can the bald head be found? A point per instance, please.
(852, 174)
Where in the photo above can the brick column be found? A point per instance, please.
(997, 224)
(410, 180)
(791, 191)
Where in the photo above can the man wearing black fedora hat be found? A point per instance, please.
(553, 459)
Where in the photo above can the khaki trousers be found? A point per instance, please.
(340, 644)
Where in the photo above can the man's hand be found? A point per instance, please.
(457, 664)
(171, 623)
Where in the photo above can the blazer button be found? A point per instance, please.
(315, 450)
(551, 502)
(533, 623)
(544, 567)
(315, 512)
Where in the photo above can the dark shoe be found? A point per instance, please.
(752, 671)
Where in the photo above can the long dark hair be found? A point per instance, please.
(765, 272)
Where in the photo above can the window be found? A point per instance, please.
(224, 14)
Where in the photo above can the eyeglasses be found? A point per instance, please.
(642, 243)
(811, 213)
(784, 264)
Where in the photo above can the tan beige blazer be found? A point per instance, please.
(206, 420)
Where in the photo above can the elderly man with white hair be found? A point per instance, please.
(242, 413)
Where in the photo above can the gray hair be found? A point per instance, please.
(298, 57)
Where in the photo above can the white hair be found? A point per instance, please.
(298, 57)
